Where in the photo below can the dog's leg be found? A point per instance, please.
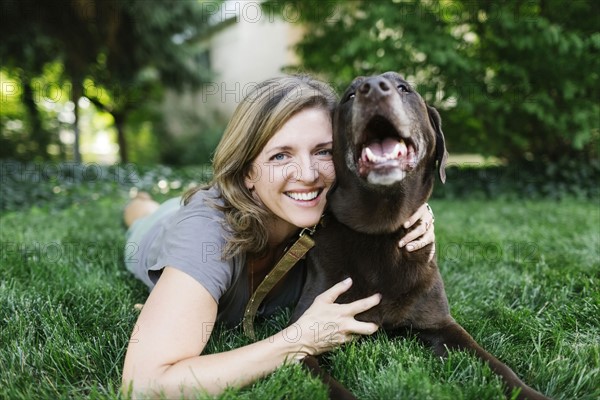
(453, 336)
(336, 390)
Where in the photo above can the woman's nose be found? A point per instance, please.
(304, 170)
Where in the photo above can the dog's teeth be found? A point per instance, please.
(396, 152)
(363, 154)
(399, 150)
(403, 149)
(375, 158)
(370, 156)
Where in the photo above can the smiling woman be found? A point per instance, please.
(203, 260)
(291, 177)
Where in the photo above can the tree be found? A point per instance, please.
(25, 50)
(515, 79)
(58, 30)
(127, 49)
(148, 49)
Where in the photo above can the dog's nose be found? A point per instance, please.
(374, 87)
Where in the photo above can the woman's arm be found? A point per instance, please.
(172, 330)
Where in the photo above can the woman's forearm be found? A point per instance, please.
(213, 373)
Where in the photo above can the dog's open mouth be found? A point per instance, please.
(385, 156)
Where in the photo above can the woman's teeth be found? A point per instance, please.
(304, 196)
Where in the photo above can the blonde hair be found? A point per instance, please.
(255, 121)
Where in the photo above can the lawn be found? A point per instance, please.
(523, 277)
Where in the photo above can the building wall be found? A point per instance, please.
(254, 48)
(246, 54)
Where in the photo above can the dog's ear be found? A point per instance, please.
(441, 155)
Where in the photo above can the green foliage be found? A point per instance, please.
(119, 54)
(523, 180)
(63, 184)
(522, 277)
(511, 79)
(193, 147)
(30, 117)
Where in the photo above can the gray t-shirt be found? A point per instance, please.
(190, 238)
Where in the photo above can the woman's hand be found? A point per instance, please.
(422, 234)
(326, 324)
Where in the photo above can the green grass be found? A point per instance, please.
(522, 278)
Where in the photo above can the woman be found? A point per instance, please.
(272, 170)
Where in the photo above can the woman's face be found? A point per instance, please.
(294, 171)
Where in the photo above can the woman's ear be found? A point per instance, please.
(251, 177)
(249, 182)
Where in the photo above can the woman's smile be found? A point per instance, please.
(304, 196)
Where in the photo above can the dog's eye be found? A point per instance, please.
(350, 96)
(403, 88)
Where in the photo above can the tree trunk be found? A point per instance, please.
(40, 137)
(122, 140)
(77, 93)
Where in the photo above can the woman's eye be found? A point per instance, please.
(325, 152)
(278, 157)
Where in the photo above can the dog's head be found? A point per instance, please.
(384, 133)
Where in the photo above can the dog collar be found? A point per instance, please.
(287, 261)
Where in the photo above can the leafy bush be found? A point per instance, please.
(532, 180)
(62, 184)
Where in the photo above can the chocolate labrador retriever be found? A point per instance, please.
(387, 146)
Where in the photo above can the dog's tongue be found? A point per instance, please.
(388, 147)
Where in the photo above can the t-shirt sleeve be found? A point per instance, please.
(193, 243)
